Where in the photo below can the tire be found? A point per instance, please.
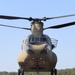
(19, 71)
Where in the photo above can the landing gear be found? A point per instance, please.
(20, 72)
(37, 73)
(54, 72)
(37, 70)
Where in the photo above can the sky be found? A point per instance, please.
(11, 39)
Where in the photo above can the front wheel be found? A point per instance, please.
(20, 72)
(54, 72)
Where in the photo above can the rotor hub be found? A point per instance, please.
(37, 28)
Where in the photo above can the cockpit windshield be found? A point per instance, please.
(37, 39)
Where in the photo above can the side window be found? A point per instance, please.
(48, 39)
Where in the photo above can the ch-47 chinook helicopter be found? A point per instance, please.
(37, 55)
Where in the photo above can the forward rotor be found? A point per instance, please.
(33, 19)
(38, 20)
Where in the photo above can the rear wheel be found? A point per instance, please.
(20, 72)
(54, 72)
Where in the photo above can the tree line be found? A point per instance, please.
(60, 72)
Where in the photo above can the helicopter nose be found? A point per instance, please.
(37, 48)
(42, 48)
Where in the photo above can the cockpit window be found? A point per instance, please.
(37, 39)
(31, 40)
(43, 39)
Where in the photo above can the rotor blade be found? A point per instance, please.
(60, 16)
(15, 27)
(61, 25)
(12, 17)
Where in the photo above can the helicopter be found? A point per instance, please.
(37, 49)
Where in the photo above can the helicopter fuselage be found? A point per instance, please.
(37, 54)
